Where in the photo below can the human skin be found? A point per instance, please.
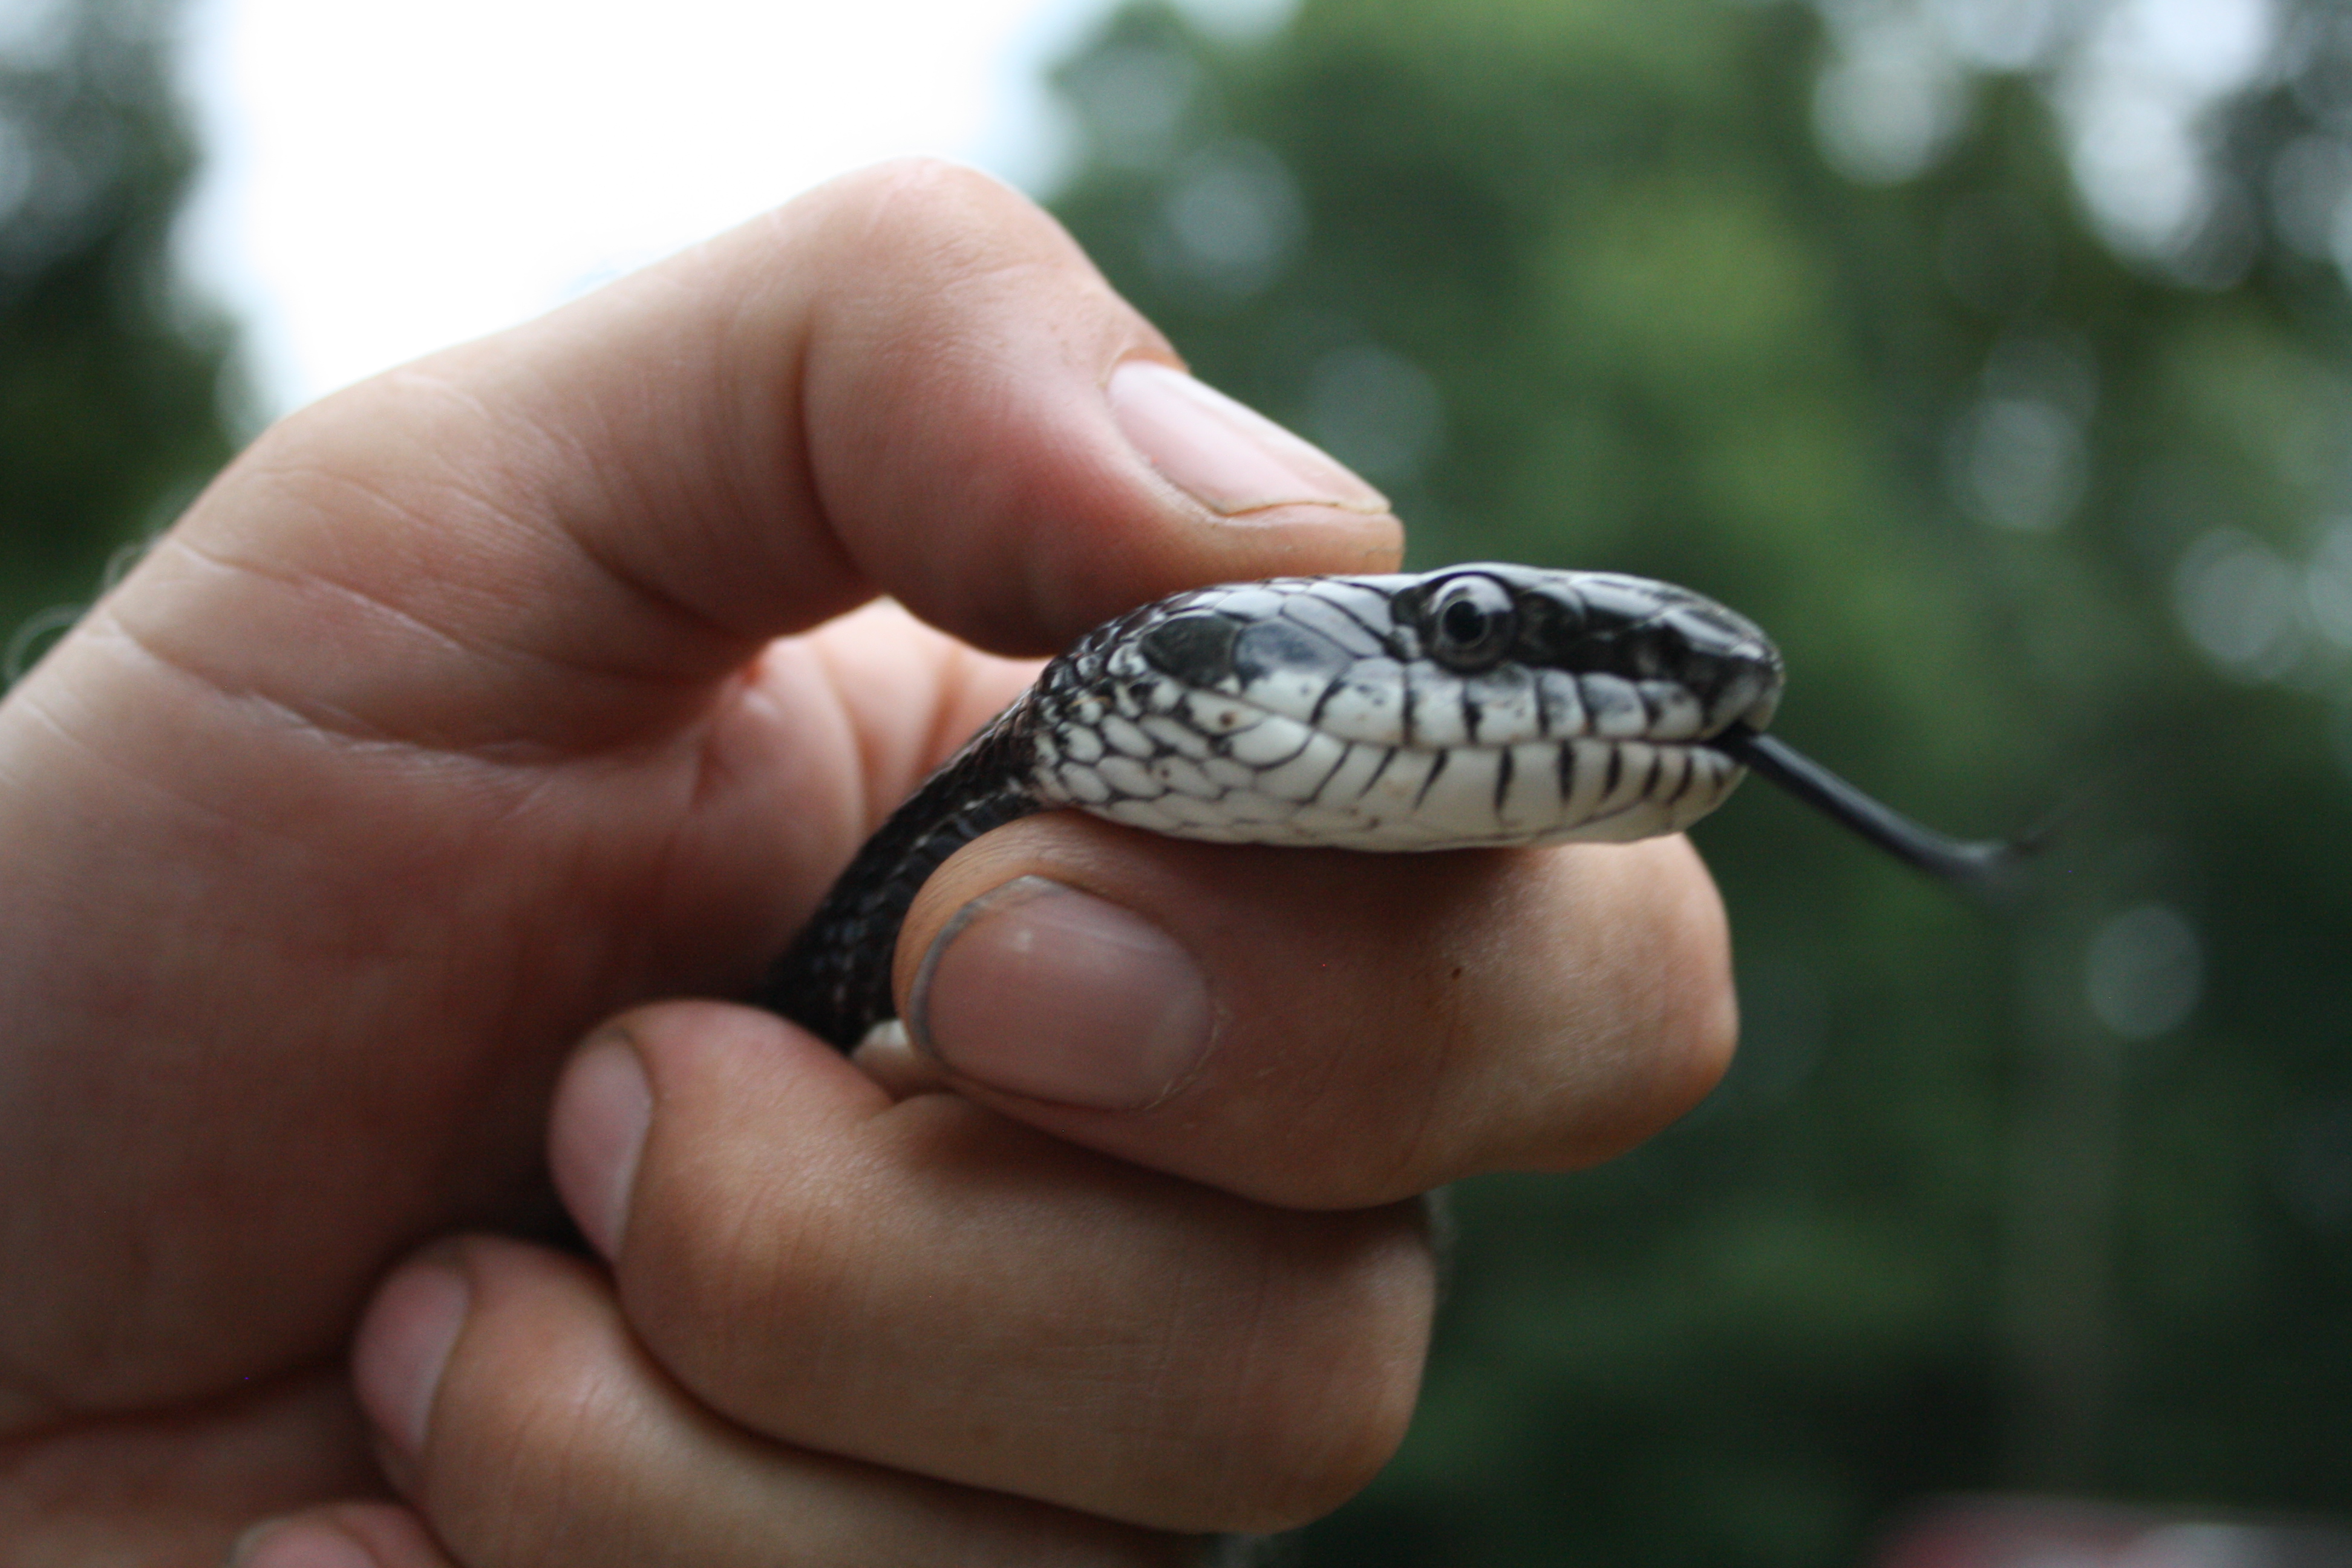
(496, 704)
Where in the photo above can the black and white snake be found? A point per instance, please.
(1479, 705)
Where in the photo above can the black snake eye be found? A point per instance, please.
(1472, 623)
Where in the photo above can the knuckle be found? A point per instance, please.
(1330, 1375)
(943, 218)
(929, 180)
(530, 1409)
(725, 1245)
(713, 1299)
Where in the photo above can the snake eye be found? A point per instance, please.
(1472, 623)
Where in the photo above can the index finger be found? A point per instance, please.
(1321, 1028)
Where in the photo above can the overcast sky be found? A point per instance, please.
(382, 181)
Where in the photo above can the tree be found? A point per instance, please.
(111, 394)
(2035, 478)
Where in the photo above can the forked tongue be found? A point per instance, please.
(1984, 865)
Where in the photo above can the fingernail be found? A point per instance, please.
(1225, 454)
(403, 1345)
(1040, 990)
(284, 1544)
(596, 1132)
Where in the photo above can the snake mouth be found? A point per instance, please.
(1236, 772)
(1745, 701)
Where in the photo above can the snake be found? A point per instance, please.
(1477, 706)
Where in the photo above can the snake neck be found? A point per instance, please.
(835, 980)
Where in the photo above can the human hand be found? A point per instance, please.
(448, 722)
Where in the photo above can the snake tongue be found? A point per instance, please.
(1986, 864)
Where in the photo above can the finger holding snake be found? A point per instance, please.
(1123, 995)
(1051, 1319)
(449, 722)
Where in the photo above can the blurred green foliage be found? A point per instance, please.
(2044, 512)
(111, 396)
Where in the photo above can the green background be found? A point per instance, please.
(2053, 1198)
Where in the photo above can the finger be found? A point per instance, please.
(342, 1535)
(176, 1485)
(926, 1285)
(911, 380)
(1321, 1028)
(527, 1427)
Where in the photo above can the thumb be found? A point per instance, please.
(911, 382)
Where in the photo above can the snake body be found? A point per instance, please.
(1479, 705)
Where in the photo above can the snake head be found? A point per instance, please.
(1479, 705)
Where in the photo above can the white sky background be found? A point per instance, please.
(380, 181)
(383, 181)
